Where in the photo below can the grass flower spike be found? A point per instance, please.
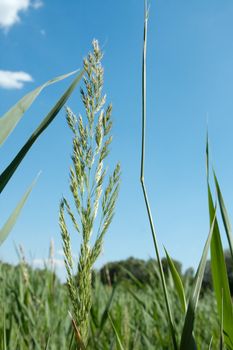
(92, 192)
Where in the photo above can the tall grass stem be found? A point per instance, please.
(144, 56)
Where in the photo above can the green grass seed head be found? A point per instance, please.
(91, 141)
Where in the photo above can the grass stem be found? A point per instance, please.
(143, 181)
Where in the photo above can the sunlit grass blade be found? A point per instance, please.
(218, 268)
(187, 340)
(210, 344)
(119, 343)
(225, 217)
(177, 282)
(220, 279)
(11, 118)
(9, 171)
(14, 216)
(221, 342)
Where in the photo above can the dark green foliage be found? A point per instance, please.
(116, 272)
(143, 271)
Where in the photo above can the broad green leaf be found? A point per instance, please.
(177, 282)
(187, 340)
(11, 118)
(218, 266)
(9, 171)
(14, 216)
(119, 343)
(220, 279)
(225, 217)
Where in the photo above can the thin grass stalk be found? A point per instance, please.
(169, 313)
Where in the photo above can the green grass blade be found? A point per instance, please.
(14, 216)
(106, 311)
(4, 331)
(207, 156)
(132, 277)
(224, 214)
(11, 118)
(47, 342)
(9, 171)
(210, 344)
(177, 282)
(143, 305)
(220, 279)
(119, 343)
(187, 340)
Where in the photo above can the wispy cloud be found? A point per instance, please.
(10, 11)
(48, 262)
(37, 4)
(13, 80)
(43, 32)
(61, 253)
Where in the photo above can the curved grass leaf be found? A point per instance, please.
(224, 215)
(11, 118)
(220, 279)
(177, 282)
(9, 171)
(14, 216)
(187, 340)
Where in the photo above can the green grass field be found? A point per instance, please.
(35, 305)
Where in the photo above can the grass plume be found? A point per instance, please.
(91, 142)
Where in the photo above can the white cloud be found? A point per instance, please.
(49, 262)
(13, 80)
(10, 11)
(60, 252)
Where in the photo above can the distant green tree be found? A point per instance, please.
(125, 270)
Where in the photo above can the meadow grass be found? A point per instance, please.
(34, 304)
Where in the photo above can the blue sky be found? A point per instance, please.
(190, 75)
